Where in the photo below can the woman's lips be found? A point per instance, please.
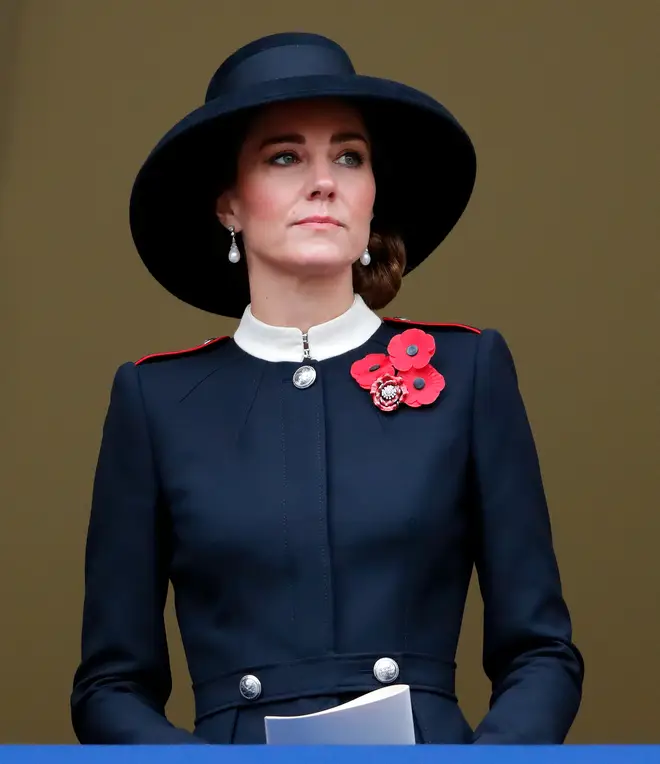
(320, 220)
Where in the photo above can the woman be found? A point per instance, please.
(318, 487)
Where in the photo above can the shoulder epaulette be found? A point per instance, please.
(179, 353)
(463, 327)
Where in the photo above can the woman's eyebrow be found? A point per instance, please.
(284, 138)
(344, 137)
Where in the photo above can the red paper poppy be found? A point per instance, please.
(367, 370)
(424, 385)
(388, 392)
(411, 349)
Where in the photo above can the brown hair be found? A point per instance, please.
(379, 282)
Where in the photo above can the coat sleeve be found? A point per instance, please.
(123, 681)
(535, 670)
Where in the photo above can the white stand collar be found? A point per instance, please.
(285, 343)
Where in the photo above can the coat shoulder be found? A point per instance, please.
(398, 322)
(195, 350)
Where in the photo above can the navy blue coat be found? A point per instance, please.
(307, 534)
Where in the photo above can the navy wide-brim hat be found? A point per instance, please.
(424, 165)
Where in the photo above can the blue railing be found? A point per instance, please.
(423, 754)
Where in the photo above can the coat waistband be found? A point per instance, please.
(326, 675)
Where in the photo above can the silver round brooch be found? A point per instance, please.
(304, 377)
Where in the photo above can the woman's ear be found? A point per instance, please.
(225, 212)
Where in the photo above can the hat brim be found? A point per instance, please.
(424, 181)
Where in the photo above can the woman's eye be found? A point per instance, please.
(351, 159)
(286, 157)
(348, 159)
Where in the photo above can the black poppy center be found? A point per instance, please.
(375, 367)
(419, 383)
(412, 350)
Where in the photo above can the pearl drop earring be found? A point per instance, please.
(365, 257)
(234, 252)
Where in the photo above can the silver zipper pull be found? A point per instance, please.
(305, 375)
(307, 356)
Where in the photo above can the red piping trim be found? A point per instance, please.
(428, 323)
(180, 352)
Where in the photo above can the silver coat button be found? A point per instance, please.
(304, 377)
(386, 670)
(250, 687)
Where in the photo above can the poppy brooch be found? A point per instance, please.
(404, 375)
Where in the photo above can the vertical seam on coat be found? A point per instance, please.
(475, 494)
(164, 574)
(255, 392)
(408, 587)
(234, 725)
(149, 432)
(323, 523)
(285, 519)
(475, 371)
(422, 730)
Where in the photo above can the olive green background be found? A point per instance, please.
(558, 250)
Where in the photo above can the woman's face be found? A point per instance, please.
(304, 193)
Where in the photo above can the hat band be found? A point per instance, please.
(282, 62)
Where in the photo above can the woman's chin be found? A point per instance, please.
(321, 263)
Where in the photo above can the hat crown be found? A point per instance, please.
(279, 56)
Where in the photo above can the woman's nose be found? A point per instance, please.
(322, 182)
